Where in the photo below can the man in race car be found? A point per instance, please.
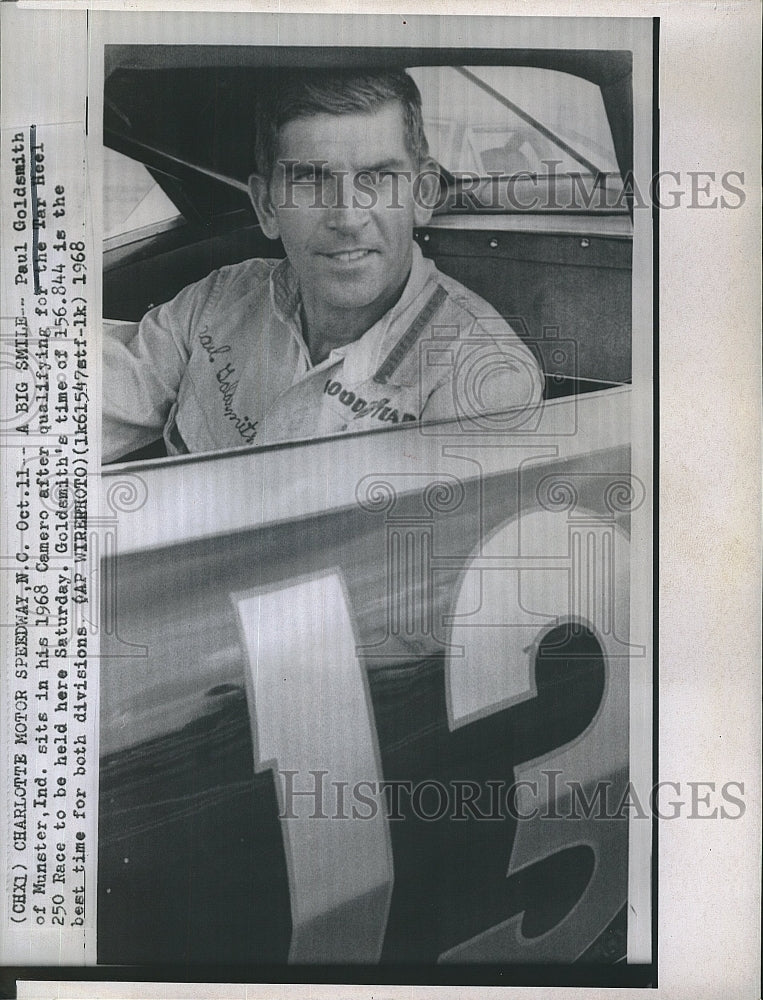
(354, 330)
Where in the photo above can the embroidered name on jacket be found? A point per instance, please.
(246, 427)
(378, 409)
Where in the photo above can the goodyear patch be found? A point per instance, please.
(374, 409)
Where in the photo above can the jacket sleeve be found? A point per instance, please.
(143, 365)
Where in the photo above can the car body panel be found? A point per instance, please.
(176, 678)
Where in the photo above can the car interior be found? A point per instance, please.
(559, 273)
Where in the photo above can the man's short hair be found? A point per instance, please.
(306, 93)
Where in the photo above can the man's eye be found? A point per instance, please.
(376, 177)
(308, 174)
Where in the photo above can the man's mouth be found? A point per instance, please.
(347, 256)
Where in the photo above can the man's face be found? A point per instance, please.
(343, 200)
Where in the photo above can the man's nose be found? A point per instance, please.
(347, 218)
(344, 213)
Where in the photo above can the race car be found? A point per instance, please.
(380, 715)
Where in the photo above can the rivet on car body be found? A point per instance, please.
(585, 243)
(493, 243)
(425, 237)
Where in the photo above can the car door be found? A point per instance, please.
(263, 682)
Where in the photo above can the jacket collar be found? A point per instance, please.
(364, 357)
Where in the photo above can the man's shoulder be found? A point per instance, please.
(229, 286)
(244, 276)
(231, 279)
(225, 294)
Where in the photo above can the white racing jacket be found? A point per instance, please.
(224, 364)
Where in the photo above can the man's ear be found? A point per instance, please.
(426, 192)
(259, 194)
